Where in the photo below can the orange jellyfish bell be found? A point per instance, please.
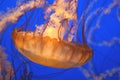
(48, 47)
(50, 52)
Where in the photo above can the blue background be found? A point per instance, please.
(104, 61)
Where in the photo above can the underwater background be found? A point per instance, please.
(103, 37)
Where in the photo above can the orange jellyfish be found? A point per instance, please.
(47, 45)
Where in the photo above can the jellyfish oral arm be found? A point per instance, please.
(63, 12)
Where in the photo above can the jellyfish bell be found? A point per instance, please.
(46, 45)
(50, 52)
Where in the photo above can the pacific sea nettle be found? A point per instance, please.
(51, 44)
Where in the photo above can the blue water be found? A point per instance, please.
(105, 63)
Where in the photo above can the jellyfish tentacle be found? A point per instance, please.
(11, 15)
(59, 33)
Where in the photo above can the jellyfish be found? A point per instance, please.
(59, 34)
(51, 44)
